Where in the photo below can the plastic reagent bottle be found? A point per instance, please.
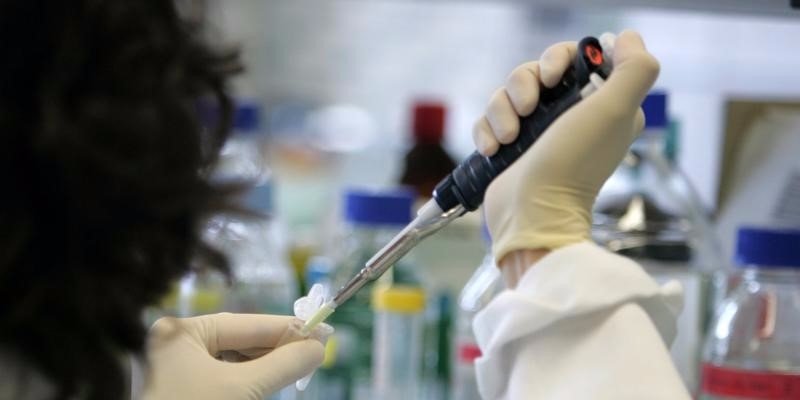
(372, 218)
(753, 347)
(397, 342)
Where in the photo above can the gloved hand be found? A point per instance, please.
(544, 200)
(183, 357)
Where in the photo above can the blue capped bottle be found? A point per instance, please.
(649, 211)
(371, 219)
(753, 347)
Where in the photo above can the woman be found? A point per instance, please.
(104, 161)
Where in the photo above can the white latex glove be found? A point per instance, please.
(544, 200)
(183, 357)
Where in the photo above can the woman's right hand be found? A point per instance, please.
(544, 200)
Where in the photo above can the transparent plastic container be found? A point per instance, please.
(372, 218)
(397, 342)
(649, 211)
(753, 347)
(481, 288)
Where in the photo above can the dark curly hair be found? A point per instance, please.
(102, 160)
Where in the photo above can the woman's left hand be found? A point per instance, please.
(183, 355)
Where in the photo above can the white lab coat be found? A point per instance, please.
(583, 323)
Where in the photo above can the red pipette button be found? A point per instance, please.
(594, 55)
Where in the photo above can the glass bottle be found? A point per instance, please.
(649, 211)
(753, 347)
(427, 162)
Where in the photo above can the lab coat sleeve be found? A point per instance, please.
(583, 323)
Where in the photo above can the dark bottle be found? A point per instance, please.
(427, 162)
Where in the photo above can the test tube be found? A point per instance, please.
(397, 342)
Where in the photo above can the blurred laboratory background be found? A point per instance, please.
(349, 111)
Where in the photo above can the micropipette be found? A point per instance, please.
(463, 189)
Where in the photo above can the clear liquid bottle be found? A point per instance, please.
(397, 342)
(263, 280)
(753, 347)
(481, 288)
(649, 211)
(372, 218)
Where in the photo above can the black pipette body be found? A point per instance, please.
(468, 182)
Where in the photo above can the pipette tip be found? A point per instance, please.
(324, 312)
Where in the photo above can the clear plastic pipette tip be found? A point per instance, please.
(324, 312)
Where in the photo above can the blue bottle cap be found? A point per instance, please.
(246, 115)
(655, 110)
(378, 208)
(768, 247)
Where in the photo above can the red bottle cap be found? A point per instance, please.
(468, 353)
(429, 122)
